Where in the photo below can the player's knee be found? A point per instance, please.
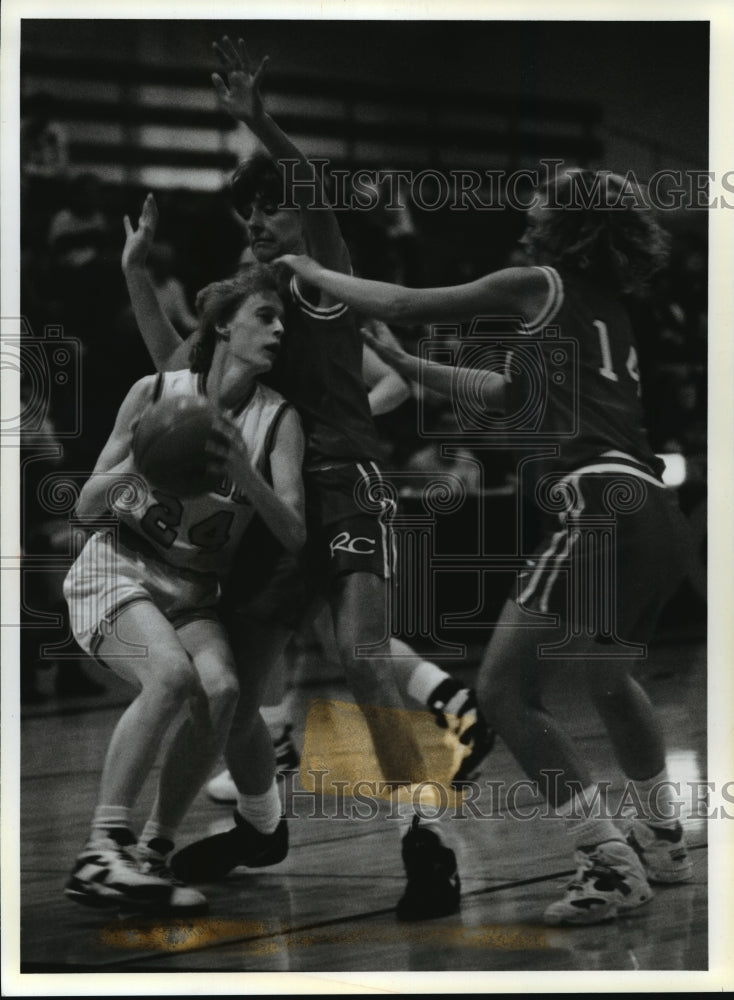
(223, 693)
(173, 678)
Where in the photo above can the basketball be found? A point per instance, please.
(169, 445)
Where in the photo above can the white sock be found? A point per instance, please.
(658, 802)
(263, 811)
(424, 680)
(110, 818)
(584, 822)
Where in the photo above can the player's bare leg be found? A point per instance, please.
(166, 678)
(200, 738)
(609, 877)
(107, 872)
(652, 823)
(359, 611)
(508, 688)
(260, 834)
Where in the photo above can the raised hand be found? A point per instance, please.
(139, 241)
(240, 94)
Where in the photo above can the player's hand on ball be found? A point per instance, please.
(139, 241)
(240, 95)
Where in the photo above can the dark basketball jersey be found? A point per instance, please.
(319, 371)
(591, 390)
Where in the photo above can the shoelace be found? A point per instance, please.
(597, 869)
(124, 857)
(159, 868)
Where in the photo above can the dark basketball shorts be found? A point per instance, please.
(348, 512)
(618, 552)
(347, 517)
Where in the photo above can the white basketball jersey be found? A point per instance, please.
(201, 533)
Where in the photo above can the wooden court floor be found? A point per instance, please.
(329, 907)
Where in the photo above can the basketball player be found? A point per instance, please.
(320, 372)
(585, 260)
(422, 682)
(143, 598)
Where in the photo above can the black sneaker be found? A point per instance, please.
(212, 858)
(434, 886)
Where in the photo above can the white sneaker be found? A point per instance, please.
(222, 788)
(106, 874)
(662, 850)
(182, 898)
(610, 879)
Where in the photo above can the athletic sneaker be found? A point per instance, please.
(214, 857)
(610, 879)
(223, 789)
(182, 898)
(454, 699)
(662, 850)
(434, 887)
(106, 874)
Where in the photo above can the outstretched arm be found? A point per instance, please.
(240, 96)
(443, 379)
(513, 293)
(159, 334)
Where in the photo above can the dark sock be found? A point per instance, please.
(121, 835)
(161, 844)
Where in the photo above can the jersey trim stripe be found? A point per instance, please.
(158, 387)
(545, 558)
(112, 615)
(558, 561)
(613, 467)
(552, 304)
(317, 312)
(387, 548)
